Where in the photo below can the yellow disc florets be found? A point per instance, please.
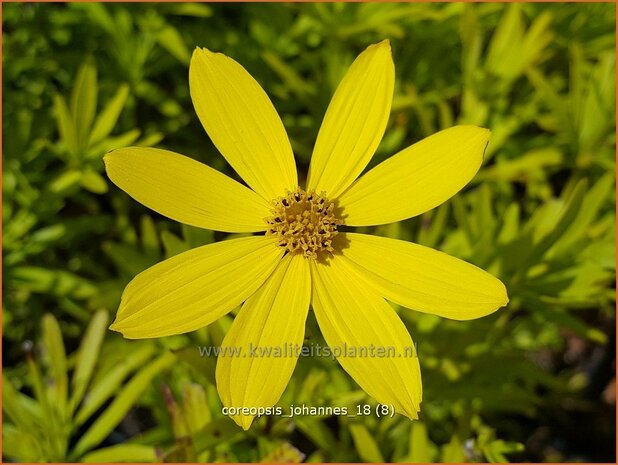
(303, 222)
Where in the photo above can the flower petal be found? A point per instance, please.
(271, 319)
(242, 123)
(354, 122)
(416, 179)
(424, 279)
(195, 288)
(353, 317)
(186, 190)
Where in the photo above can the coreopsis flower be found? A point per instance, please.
(299, 257)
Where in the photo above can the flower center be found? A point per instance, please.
(303, 222)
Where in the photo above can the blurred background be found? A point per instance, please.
(533, 382)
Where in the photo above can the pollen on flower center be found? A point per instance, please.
(303, 223)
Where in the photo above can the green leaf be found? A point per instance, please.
(197, 237)
(432, 225)
(203, 366)
(93, 181)
(504, 43)
(565, 319)
(111, 143)
(105, 424)
(523, 168)
(495, 450)
(463, 218)
(366, 446)
(108, 384)
(127, 258)
(594, 199)
(87, 356)
(597, 109)
(170, 39)
(20, 445)
(106, 121)
(40, 394)
(150, 140)
(216, 432)
(49, 234)
(453, 452)
(21, 410)
(54, 282)
(84, 101)
(66, 125)
(422, 450)
(288, 74)
(122, 453)
(65, 182)
(56, 360)
(195, 407)
(510, 224)
(172, 244)
(150, 237)
(567, 215)
(198, 10)
(98, 14)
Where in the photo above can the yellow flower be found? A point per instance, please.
(302, 260)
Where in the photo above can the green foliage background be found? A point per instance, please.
(534, 381)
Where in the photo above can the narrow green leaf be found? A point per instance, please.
(463, 218)
(108, 384)
(495, 450)
(22, 411)
(170, 39)
(564, 318)
(66, 125)
(318, 432)
(203, 366)
(93, 181)
(172, 244)
(99, 14)
(127, 258)
(198, 10)
(121, 405)
(84, 101)
(21, 445)
(422, 450)
(568, 214)
(40, 394)
(87, 357)
(54, 282)
(66, 181)
(122, 453)
(150, 140)
(365, 444)
(536, 40)
(111, 143)
(195, 407)
(591, 204)
(510, 30)
(150, 237)
(56, 360)
(288, 74)
(453, 452)
(214, 433)
(106, 121)
(510, 224)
